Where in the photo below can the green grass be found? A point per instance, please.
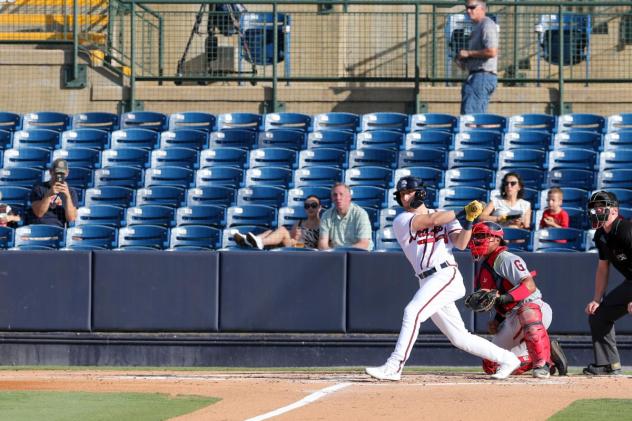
(58, 406)
(596, 410)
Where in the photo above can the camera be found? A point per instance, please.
(60, 177)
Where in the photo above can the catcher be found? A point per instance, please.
(503, 282)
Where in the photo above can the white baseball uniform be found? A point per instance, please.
(428, 249)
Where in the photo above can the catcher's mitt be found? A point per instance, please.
(481, 300)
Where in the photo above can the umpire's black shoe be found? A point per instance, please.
(558, 358)
(603, 370)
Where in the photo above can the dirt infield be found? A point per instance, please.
(437, 396)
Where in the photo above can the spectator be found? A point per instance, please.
(304, 233)
(7, 217)
(54, 202)
(345, 224)
(554, 216)
(510, 209)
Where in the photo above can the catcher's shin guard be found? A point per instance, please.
(489, 367)
(535, 335)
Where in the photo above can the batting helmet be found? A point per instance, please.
(599, 207)
(481, 235)
(411, 183)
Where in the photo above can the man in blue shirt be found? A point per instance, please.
(54, 202)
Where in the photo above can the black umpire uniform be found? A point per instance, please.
(615, 247)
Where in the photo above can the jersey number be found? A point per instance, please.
(518, 265)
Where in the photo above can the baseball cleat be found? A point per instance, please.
(506, 369)
(240, 239)
(384, 372)
(254, 241)
(542, 372)
(558, 358)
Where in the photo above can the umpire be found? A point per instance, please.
(613, 238)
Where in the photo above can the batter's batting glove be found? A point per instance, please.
(473, 210)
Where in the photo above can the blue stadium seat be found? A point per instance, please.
(317, 176)
(209, 215)
(211, 195)
(522, 158)
(163, 216)
(149, 120)
(10, 121)
(110, 195)
(473, 157)
(336, 121)
(611, 179)
(273, 157)
(470, 176)
(388, 215)
(487, 139)
(293, 121)
(578, 139)
(20, 177)
(119, 175)
(615, 159)
(538, 122)
(574, 40)
(40, 138)
(423, 157)
(559, 239)
(582, 122)
(386, 139)
(95, 120)
(79, 157)
(290, 215)
(228, 241)
(430, 201)
(108, 215)
(257, 215)
(386, 240)
(46, 120)
(573, 197)
(617, 140)
(296, 196)
(174, 157)
(322, 156)
(143, 237)
(195, 237)
(193, 120)
(336, 139)
(85, 138)
(373, 157)
(15, 196)
(461, 196)
(246, 121)
(518, 239)
(269, 176)
(91, 237)
(384, 121)
(581, 179)
(572, 158)
(171, 196)
(224, 156)
(135, 138)
(373, 214)
(219, 176)
(184, 138)
(578, 218)
(131, 157)
(482, 121)
(617, 122)
(420, 122)
(47, 236)
(531, 139)
(282, 138)
(36, 158)
(235, 138)
(368, 196)
(624, 196)
(531, 178)
(430, 138)
(261, 195)
(431, 176)
(369, 176)
(6, 139)
(6, 237)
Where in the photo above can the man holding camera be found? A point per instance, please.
(54, 202)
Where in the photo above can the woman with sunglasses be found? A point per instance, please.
(304, 233)
(509, 209)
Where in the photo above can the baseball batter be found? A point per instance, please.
(427, 236)
(522, 318)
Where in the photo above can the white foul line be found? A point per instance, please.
(306, 400)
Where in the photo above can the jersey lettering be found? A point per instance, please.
(519, 266)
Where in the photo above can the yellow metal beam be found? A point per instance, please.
(84, 38)
(39, 20)
(55, 3)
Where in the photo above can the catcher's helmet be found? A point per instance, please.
(599, 207)
(411, 183)
(481, 234)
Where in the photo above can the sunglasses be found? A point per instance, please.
(312, 205)
(471, 7)
(511, 183)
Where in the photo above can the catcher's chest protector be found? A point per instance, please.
(487, 278)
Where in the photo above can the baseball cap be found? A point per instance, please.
(60, 165)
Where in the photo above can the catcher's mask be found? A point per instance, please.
(599, 207)
(481, 236)
(411, 183)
